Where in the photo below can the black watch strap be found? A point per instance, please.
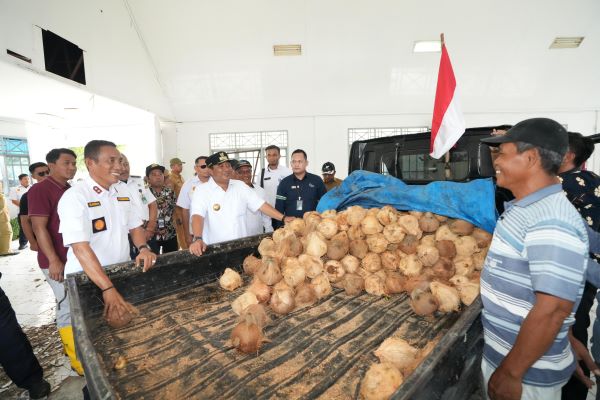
(196, 238)
(144, 246)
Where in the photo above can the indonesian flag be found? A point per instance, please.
(448, 123)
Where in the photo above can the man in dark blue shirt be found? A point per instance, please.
(301, 191)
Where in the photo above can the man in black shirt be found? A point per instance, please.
(301, 191)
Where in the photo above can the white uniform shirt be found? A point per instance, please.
(271, 181)
(224, 213)
(141, 196)
(184, 200)
(257, 222)
(88, 213)
(17, 192)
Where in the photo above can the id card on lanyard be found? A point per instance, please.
(299, 201)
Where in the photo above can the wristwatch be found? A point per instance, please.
(144, 246)
(196, 238)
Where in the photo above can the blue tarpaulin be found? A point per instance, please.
(472, 201)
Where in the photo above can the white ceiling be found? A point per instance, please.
(214, 58)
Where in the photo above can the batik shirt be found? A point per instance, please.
(165, 202)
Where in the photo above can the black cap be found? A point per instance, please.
(243, 163)
(217, 158)
(234, 163)
(540, 132)
(328, 168)
(151, 167)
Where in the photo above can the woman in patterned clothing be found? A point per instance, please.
(583, 191)
(165, 235)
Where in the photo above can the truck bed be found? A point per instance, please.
(178, 346)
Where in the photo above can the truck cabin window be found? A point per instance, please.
(421, 167)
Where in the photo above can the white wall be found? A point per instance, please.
(116, 63)
(325, 138)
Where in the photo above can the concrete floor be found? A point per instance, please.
(34, 304)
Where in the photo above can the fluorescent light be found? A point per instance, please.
(566, 42)
(287, 50)
(427, 46)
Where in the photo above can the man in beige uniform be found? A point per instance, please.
(177, 181)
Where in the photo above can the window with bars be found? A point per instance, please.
(250, 146)
(355, 134)
(14, 161)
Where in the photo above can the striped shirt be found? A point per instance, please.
(540, 244)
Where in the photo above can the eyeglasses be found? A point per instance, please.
(43, 173)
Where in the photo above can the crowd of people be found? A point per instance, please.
(538, 283)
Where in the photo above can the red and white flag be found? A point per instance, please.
(448, 122)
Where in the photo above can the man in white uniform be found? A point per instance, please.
(15, 195)
(273, 173)
(256, 222)
(219, 207)
(143, 201)
(184, 200)
(95, 216)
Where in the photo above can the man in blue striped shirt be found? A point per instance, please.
(534, 273)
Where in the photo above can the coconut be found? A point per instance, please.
(428, 255)
(444, 233)
(355, 233)
(394, 282)
(380, 382)
(269, 272)
(409, 244)
(255, 314)
(342, 221)
(464, 265)
(370, 225)
(353, 284)
(423, 302)
(359, 248)
(428, 223)
(282, 301)
(282, 234)
(371, 262)
(447, 297)
(389, 260)
(230, 280)
(305, 295)
(313, 266)
(243, 301)
(466, 246)
(393, 233)
(460, 227)
(443, 269)
(446, 248)
(251, 264)
(410, 224)
(375, 285)
(327, 227)
(329, 214)
(297, 226)
(355, 215)
(397, 352)
(440, 218)
(419, 282)
(334, 270)
(428, 240)
(377, 243)
(315, 244)
(350, 263)
(482, 237)
(479, 260)
(290, 246)
(387, 215)
(293, 272)
(261, 290)
(410, 265)
(321, 286)
(311, 221)
(338, 246)
(247, 337)
(468, 292)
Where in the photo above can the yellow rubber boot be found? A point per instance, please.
(66, 336)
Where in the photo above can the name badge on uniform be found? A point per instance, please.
(122, 198)
(267, 178)
(98, 225)
(299, 204)
(216, 207)
(94, 204)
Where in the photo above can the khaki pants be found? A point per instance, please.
(181, 236)
(5, 237)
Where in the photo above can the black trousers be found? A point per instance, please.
(168, 245)
(574, 388)
(22, 237)
(16, 353)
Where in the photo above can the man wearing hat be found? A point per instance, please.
(256, 222)
(177, 181)
(219, 206)
(534, 272)
(329, 179)
(164, 237)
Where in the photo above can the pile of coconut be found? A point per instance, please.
(382, 251)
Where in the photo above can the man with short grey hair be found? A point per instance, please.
(534, 273)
